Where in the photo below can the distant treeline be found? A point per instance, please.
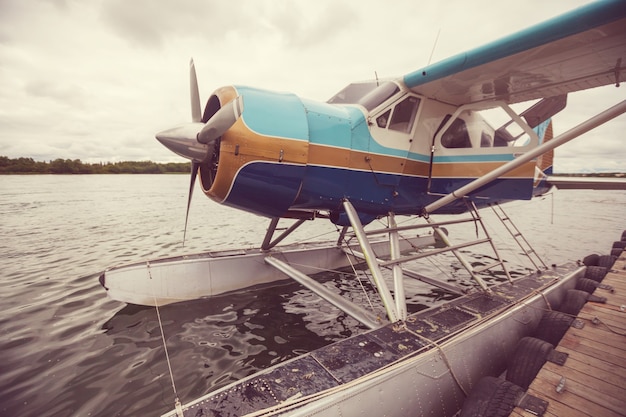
(75, 166)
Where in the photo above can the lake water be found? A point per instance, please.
(68, 350)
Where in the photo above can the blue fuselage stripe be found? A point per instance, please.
(323, 188)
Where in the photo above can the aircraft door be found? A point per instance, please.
(380, 144)
(392, 130)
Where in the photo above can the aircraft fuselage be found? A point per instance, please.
(286, 154)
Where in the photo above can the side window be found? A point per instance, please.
(456, 136)
(381, 121)
(486, 141)
(503, 138)
(404, 115)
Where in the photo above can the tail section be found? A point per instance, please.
(544, 162)
(543, 168)
(544, 180)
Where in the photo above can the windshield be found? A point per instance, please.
(368, 94)
(352, 93)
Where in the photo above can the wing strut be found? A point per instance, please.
(573, 133)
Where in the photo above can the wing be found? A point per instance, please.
(582, 49)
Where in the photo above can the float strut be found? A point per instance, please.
(372, 263)
(398, 275)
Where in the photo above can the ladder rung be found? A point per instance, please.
(486, 267)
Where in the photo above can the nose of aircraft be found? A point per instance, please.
(193, 140)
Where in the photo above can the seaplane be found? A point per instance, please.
(418, 145)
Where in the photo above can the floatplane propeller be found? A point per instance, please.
(196, 140)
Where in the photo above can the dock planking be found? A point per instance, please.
(595, 370)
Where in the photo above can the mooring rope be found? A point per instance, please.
(545, 298)
(356, 275)
(596, 321)
(177, 404)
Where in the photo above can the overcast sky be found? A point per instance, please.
(96, 79)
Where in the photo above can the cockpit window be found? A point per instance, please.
(404, 114)
(381, 121)
(486, 141)
(456, 136)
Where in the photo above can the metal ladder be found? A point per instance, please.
(473, 210)
(521, 241)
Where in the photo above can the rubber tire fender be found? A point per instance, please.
(492, 397)
(591, 260)
(619, 244)
(606, 261)
(596, 273)
(574, 302)
(587, 285)
(553, 326)
(530, 355)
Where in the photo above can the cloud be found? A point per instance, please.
(67, 94)
(305, 27)
(148, 23)
(145, 23)
(602, 148)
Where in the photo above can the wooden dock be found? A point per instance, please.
(593, 378)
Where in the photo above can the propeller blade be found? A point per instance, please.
(221, 121)
(194, 172)
(196, 113)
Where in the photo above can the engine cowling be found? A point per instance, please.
(258, 164)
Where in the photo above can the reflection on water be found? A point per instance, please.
(69, 350)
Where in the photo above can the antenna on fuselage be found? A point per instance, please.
(376, 75)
